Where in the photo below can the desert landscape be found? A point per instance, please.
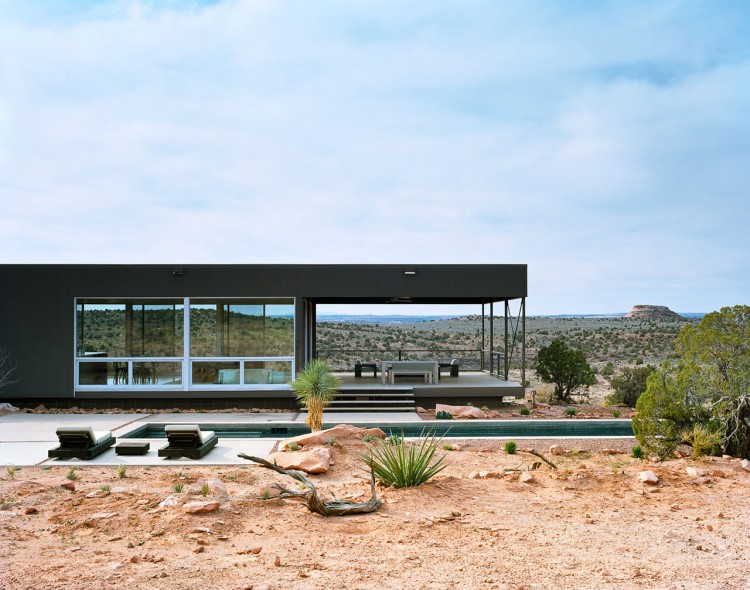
(489, 520)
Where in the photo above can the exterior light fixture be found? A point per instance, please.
(178, 271)
(410, 272)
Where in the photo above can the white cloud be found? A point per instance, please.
(605, 145)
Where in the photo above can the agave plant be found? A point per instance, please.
(404, 464)
(316, 387)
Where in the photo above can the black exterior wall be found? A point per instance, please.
(37, 312)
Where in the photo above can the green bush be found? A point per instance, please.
(629, 385)
(564, 367)
(706, 385)
(510, 447)
(571, 412)
(637, 452)
(524, 411)
(443, 415)
(405, 464)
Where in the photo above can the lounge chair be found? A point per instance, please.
(80, 442)
(453, 366)
(359, 365)
(187, 440)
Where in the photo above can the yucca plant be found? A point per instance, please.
(315, 387)
(404, 464)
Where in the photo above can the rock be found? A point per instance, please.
(340, 432)
(97, 494)
(6, 407)
(648, 477)
(313, 461)
(483, 474)
(653, 312)
(421, 410)
(214, 485)
(68, 485)
(200, 507)
(40, 408)
(526, 477)
(267, 491)
(170, 501)
(693, 471)
(609, 452)
(115, 565)
(199, 549)
(30, 510)
(556, 450)
(745, 464)
(460, 411)
(277, 561)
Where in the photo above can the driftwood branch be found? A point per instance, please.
(310, 494)
(548, 462)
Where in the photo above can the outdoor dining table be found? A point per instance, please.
(429, 369)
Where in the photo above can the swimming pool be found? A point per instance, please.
(447, 428)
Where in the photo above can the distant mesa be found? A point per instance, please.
(653, 312)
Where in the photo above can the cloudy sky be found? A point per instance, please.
(604, 144)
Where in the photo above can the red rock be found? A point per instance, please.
(200, 507)
(313, 461)
(68, 485)
(340, 432)
(460, 411)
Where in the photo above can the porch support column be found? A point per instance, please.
(523, 343)
(507, 347)
(482, 345)
(492, 337)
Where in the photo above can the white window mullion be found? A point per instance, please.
(186, 369)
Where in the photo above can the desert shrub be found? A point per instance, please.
(524, 411)
(204, 490)
(565, 368)
(178, 487)
(369, 438)
(571, 412)
(443, 415)
(405, 464)
(11, 471)
(616, 413)
(707, 385)
(637, 452)
(629, 385)
(510, 447)
(293, 446)
(122, 471)
(448, 447)
(607, 370)
(105, 488)
(331, 441)
(702, 440)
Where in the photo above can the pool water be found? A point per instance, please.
(446, 428)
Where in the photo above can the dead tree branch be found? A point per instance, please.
(533, 452)
(310, 494)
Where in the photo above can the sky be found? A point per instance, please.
(604, 144)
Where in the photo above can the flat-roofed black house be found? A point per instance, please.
(218, 335)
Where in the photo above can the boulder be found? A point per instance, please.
(340, 432)
(313, 461)
(526, 477)
(460, 411)
(693, 471)
(745, 464)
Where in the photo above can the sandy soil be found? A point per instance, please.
(588, 524)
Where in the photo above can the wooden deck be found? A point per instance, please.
(469, 385)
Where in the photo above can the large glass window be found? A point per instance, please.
(142, 343)
(130, 329)
(241, 329)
